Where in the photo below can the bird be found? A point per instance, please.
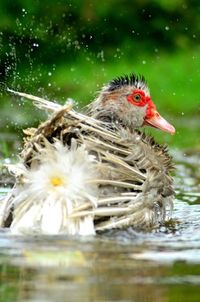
(86, 173)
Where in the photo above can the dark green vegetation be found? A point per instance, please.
(59, 49)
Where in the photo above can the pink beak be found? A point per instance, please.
(159, 122)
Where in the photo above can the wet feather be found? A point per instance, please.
(124, 175)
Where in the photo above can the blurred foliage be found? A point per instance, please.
(59, 49)
(65, 28)
(38, 34)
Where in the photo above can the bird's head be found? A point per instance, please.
(126, 100)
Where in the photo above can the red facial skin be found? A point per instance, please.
(152, 117)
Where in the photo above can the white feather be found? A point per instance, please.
(52, 188)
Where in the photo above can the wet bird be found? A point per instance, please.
(86, 173)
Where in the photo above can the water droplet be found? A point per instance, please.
(7, 161)
(24, 12)
(144, 62)
(49, 74)
(100, 55)
(166, 28)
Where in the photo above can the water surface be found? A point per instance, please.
(163, 265)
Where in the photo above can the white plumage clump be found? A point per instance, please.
(59, 179)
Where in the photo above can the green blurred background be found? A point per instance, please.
(60, 49)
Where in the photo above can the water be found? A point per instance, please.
(117, 266)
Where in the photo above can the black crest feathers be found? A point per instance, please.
(127, 80)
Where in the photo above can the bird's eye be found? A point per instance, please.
(137, 97)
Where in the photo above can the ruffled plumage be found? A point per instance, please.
(57, 181)
(123, 176)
